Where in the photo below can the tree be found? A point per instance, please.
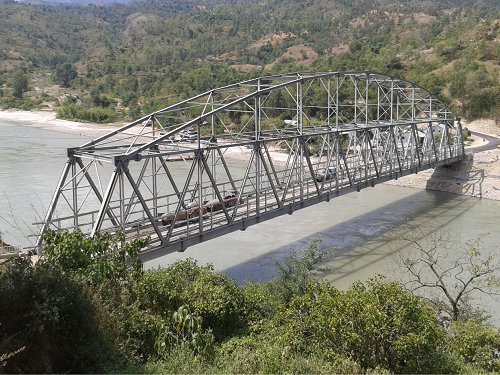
(65, 74)
(450, 275)
(19, 83)
(378, 325)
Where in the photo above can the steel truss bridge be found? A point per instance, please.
(241, 154)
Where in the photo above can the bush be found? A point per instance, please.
(378, 325)
(477, 344)
(102, 258)
(214, 297)
(54, 318)
(262, 354)
(73, 111)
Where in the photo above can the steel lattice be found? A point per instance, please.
(171, 175)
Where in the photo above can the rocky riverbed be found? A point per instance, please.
(478, 176)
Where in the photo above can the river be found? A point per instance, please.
(361, 228)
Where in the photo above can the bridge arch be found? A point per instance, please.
(305, 137)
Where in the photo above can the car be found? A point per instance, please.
(188, 135)
(329, 174)
(190, 214)
(228, 200)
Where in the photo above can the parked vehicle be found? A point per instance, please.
(329, 174)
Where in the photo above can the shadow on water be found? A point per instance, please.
(365, 236)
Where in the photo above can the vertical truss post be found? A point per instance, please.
(366, 97)
(397, 102)
(257, 113)
(337, 103)
(378, 101)
(201, 166)
(300, 126)
(74, 188)
(355, 82)
(106, 199)
(121, 192)
(392, 100)
(413, 104)
(155, 187)
(329, 102)
(460, 136)
(55, 199)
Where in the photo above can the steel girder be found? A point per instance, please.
(210, 164)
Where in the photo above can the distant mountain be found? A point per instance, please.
(146, 52)
(74, 2)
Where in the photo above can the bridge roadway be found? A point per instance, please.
(211, 225)
(493, 142)
(369, 127)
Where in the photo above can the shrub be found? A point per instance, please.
(73, 111)
(53, 317)
(104, 257)
(378, 325)
(214, 297)
(477, 344)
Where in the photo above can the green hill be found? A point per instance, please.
(135, 57)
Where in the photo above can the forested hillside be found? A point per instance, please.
(122, 61)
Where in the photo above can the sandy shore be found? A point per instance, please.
(48, 120)
(485, 164)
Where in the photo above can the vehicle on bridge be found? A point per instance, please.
(329, 174)
(188, 135)
(228, 200)
(190, 214)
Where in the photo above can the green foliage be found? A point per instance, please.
(185, 329)
(87, 306)
(214, 297)
(294, 274)
(52, 318)
(477, 344)
(377, 325)
(65, 74)
(261, 354)
(19, 84)
(147, 51)
(105, 257)
(73, 111)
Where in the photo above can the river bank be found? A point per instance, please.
(480, 178)
(47, 120)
